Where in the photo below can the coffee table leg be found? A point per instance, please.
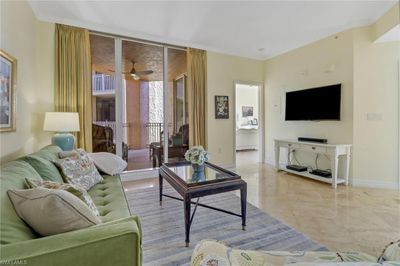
(243, 201)
(160, 183)
(187, 204)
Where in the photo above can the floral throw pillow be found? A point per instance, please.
(391, 252)
(73, 189)
(79, 169)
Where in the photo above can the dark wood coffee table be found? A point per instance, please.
(214, 180)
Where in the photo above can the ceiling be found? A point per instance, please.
(146, 57)
(253, 29)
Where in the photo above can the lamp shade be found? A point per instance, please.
(61, 122)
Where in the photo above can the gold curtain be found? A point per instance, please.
(74, 79)
(197, 90)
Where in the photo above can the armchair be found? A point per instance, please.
(103, 141)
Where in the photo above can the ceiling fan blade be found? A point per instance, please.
(144, 72)
(111, 70)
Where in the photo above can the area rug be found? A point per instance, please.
(164, 233)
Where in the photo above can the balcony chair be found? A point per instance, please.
(103, 141)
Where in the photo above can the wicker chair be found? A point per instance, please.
(103, 141)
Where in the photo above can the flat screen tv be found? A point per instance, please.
(322, 103)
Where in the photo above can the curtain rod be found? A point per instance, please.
(131, 39)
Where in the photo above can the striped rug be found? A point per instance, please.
(164, 233)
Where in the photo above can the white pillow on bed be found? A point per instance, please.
(108, 163)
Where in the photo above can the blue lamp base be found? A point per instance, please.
(64, 140)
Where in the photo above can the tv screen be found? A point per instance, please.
(322, 103)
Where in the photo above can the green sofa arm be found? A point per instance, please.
(113, 243)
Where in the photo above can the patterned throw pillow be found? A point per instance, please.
(391, 252)
(74, 189)
(79, 169)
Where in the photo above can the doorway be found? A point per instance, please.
(248, 124)
(139, 104)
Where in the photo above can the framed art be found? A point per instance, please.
(8, 79)
(221, 107)
(247, 111)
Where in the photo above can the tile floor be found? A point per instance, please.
(348, 218)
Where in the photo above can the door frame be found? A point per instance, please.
(119, 97)
(261, 138)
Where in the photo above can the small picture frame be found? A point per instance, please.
(221, 107)
(8, 79)
(247, 111)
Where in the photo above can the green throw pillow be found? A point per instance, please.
(73, 189)
(46, 169)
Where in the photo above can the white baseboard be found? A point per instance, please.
(139, 174)
(228, 166)
(374, 184)
(356, 182)
(269, 162)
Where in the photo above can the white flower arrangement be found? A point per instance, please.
(196, 155)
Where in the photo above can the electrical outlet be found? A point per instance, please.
(219, 150)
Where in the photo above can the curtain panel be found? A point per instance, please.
(197, 90)
(73, 79)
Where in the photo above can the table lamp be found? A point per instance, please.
(63, 123)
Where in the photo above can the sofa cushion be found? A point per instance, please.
(46, 169)
(52, 211)
(76, 190)
(108, 163)
(49, 152)
(109, 198)
(12, 176)
(79, 170)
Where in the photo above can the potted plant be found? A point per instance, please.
(197, 156)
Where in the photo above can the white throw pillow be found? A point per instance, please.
(52, 211)
(108, 163)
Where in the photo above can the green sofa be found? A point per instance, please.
(117, 241)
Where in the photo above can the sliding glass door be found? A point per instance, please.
(145, 107)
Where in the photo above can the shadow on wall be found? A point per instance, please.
(40, 138)
(11, 156)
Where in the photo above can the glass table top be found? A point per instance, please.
(209, 175)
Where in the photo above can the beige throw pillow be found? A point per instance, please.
(79, 169)
(52, 211)
(108, 163)
(76, 190)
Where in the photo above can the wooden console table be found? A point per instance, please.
(334, 151)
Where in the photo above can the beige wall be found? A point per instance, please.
(222, 72)
(376, 92)
(32, 43)
(325, 62)
(132, 105)
(369, 73)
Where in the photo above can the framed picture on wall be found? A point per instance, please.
(221, 107)
(247, 111)
(8, 78)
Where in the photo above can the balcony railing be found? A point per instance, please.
(102, 84)
(153, 130)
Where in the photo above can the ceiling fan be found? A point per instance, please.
(136, 75)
